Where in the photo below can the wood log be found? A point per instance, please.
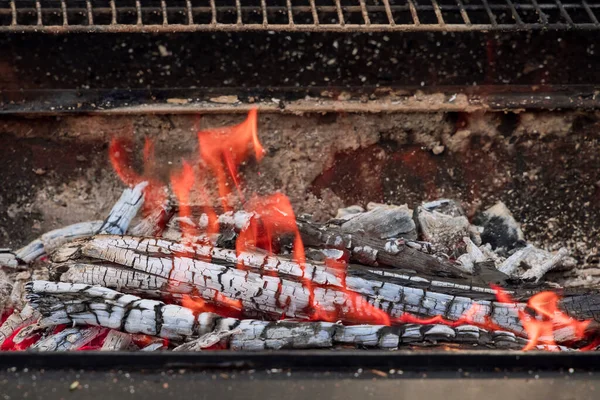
(82, 305)
(156, 267)
(68, 339)
(17, 320)
(116, 340)
(378, 252)
(124, 210)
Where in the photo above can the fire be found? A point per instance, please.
(154, 194)
(226, 148)
(222, 305)
(182, 183)
(545, 320)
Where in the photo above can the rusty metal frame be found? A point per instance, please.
(366, 11)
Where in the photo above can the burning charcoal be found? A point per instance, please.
(439, 333)
(116, 340)
(207, 340)
(154, 346)
(124, 210)
(348, 212)
(68, 339)
(500, 228)
(16, 321)
(384, 222)
(155, 222)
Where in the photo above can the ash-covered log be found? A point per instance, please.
(84, 305)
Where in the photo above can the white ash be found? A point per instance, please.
(385, 222)
(348, 212)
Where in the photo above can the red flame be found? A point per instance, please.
(182, 183)
(228, 147)
(221, 304)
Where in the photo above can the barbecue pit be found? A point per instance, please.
(368, 177)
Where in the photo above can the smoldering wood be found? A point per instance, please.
(17, 320)
(156, 267)
(116, 340)
(378, 252)
(445, 232)
(49, 242)
(154, 223)
(68, 339)
(74, 303)
(124, 210)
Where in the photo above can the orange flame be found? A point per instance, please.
(154, 194)
(182, 183)
(221, 304)
(229, 147)
(546, 319)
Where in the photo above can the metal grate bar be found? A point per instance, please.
(388, 12)
(438, 12)
(90, 12)
(313, 10)
(413, 13)
(540, 13)
(190, 13)
(590, 12)
(340, 14)
(290, 12)
(63, 8)
(366, 15)
(564, 12)
(38, 10)
(13, 12)
(238, 12)
(263, 6)
(463, 12)
(138, 11)
(514, 12)
(113, 12)
(490, 14)
(163, 9)
(213, 10)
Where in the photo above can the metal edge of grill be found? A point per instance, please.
(63, 16)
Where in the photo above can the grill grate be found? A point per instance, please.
(295, 15)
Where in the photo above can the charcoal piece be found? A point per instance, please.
(384, 222)
(445, 206)
(500, 229)
(348, 212)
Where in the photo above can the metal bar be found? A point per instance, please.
(163, 7)
(388, 11)
(288, 4)
(263, 6)
(213, 10)
(365, 13)
(190, 13)
(90, 12)
(113, 11)
(590, 12)
(463, 12)
(514, 12)
(313, 10)
(63, 7)
(138, 10)
(413, 12)
(438, 12)
(38, 10)
(564, 12)
(158, 28)
(490, 14)
(340, 14)
(540, 13)
(13, 11)
(238, 12)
